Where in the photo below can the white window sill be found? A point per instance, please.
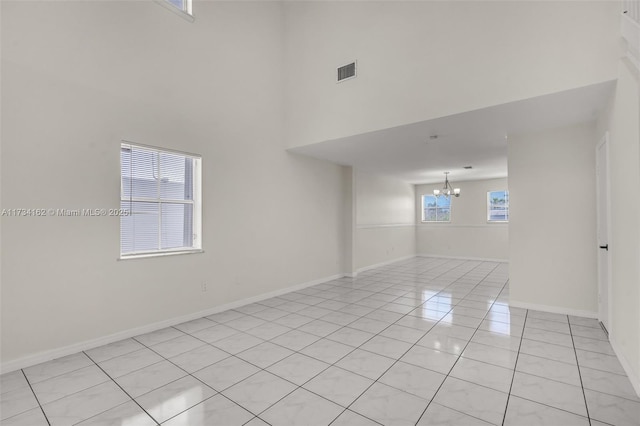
(159, 254)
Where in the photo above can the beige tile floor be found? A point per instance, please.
(425, 341)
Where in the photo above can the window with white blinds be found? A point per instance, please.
(161, 191)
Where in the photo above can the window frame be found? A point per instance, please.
(196, 204)
(489, 220)
(437, 208)
(186, 12)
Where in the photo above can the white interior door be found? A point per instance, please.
(602, 170)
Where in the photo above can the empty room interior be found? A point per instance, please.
(320, 213)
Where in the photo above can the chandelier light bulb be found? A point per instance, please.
(447, 190)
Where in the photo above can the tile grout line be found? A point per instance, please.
(121, 388)
(322, 337)
(375, 335)
(586, 406)
(398, 359)
(515, 366)
(57, 375)
(196, 378)
(80, 390)
(173, 381)
(36, 397)
(463, 349)
(354, 302)
(438, 321)
(186, 375)
(330, 365)
(264, 369)
(358, 347)
(260, 370)
(346, 326)
(552, 380)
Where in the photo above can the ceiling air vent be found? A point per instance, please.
(346, 72)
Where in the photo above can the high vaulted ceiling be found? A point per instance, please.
(421, 152)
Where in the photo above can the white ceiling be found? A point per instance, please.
(476, 138)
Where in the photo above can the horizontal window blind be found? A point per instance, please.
(158, 189)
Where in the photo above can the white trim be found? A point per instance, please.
(630, 31)
(48, 355)
(384, 225)
(626, 365)
(154, 200)
(154, 148)
(554, 309)
(605, 142)
(631, 9)
(145, 255)
(377, 265)
(481, 259)
(633, 60)
(449, 225)
(186, 15)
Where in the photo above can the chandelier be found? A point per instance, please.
(447, 190)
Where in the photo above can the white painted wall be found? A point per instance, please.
(427, 59)
(77, 77)
(622, 120)
(468, 235)
(552, 227)
(385, 226)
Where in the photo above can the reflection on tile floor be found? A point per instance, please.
(421, 342)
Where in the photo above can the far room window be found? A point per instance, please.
(436, 209)
(498, 206)
(160, 191)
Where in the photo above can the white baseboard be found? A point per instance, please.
(386, 225)
(553, 309)
(626, 365)
(377, 265)
(481, 259)
(29, 360)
